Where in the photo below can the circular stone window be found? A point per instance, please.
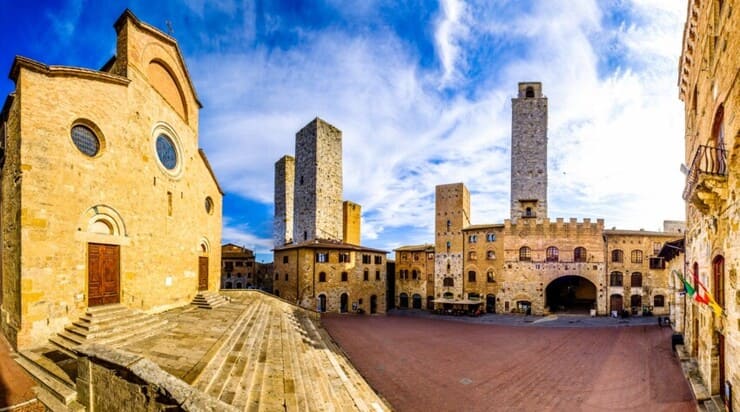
(209, 205)
(166, 152)
(85, 140)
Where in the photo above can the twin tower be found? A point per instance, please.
(308, 191)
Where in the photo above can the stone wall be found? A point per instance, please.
(157, 216)
(484, 253)
(284, 186)
(352, 219)
(420, 259)
(529, 152)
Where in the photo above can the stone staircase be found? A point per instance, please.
(277, 357)
(109, 324)
(52, 371)
(209, 300)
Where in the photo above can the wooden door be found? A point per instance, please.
(103, 274)
(203, 273)
(616, 303)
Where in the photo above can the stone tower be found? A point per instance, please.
(352, 213)
(284, 181)
(529, 153)
(317, 208)
(452, 214)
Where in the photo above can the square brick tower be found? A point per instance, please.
(317, 207)
(529, 153)
(452, 215)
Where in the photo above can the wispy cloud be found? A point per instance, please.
(451, 31)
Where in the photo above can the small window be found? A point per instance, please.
(471, 276)
(491, 237)
(277, 277)
(344, 276)
(366, 275)
(209, 205)
(285, 259)
(322, 277)
(343, 257)
(615, 279)
(552, 254)
(489, 277)
(525, 254)
(85, 140)
(286, 277)
(166, 152)
(404, 256)
(472, 238)
(448, 282)
(658, 301)
(657, 263)
(529, 92)
(636, 256)
(322, 257)
(617, 256)
(579, 254)
(379, 260)
(430, 256)
(472, 256)
(416, 257)
(490, 255)
(414, 274)
(366, 259)
(377, 275)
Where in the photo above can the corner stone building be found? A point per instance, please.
(709, 86)
(318, 260)
(105, 195)
(530, 262)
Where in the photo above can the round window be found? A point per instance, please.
(85, 140)
(166, 152)
(209, 205)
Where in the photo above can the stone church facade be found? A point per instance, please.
(532, 263)
(105, 195)
(708, 81)
(318, 260)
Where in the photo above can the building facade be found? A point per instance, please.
(238, 268)
(320, 263)
(708, 81)
(105, 195)
(415, 277)
(531, 263)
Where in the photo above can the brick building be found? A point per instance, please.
(318, 260)
(105, 195)
(709, 86)
(238, 267)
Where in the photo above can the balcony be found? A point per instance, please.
(706, 181)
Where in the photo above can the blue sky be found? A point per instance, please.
(421, 91)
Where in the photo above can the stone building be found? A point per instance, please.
(238, 269)
(415, 282)
(531, 263)
(105, 195)
(318, 260)
(709, 69)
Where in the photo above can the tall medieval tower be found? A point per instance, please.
(529, 153)
(317, 209)
(452, 215)
(284, 181)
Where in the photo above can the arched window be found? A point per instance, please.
(529, 92)
(471, 276)
(472, 256)
(448, 282)
(718, 280)
(528, 212)
(525, 254)
(489, 277)
(490, 255)
(322, 277)
(718, 140)
(552, 254)
(579, 254)
(658, 301)
(615, 279)
(636, 256)
(636, 280)
(617, 256)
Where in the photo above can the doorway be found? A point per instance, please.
(343, 303)
(416, 301)
(322, 303)
(403, 301)
(373, 304)
(203, 273)
(490, 304)
(616, 303)
(103, 274)
(571, 294)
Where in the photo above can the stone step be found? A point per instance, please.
(103, 310)
(63, 345)
(62, 391)
(209, 300)
(141, 331)
(97, 324)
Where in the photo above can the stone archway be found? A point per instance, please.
(573, 294)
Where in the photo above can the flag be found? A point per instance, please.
(686, 285)
(709, 300)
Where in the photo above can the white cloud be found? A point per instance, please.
(241, 234)
(615, 128)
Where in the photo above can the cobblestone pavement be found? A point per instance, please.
(423, 362)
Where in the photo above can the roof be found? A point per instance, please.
(210, 170)
(484, 226)
(38, 67)
(618, 232)
(327, 244)
(672, 249)
(414, 248)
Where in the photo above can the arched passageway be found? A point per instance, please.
(572, 294)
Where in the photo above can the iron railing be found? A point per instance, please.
(708, 160)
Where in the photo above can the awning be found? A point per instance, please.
(458, 302)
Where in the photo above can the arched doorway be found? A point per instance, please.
(616, 303)
(490, 303)
(373, 304)
(343, 303)
(416, 301)
(573, 294)
(403, 301)
(322, 303)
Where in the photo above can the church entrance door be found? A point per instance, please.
(103, 274)
(203, 273)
